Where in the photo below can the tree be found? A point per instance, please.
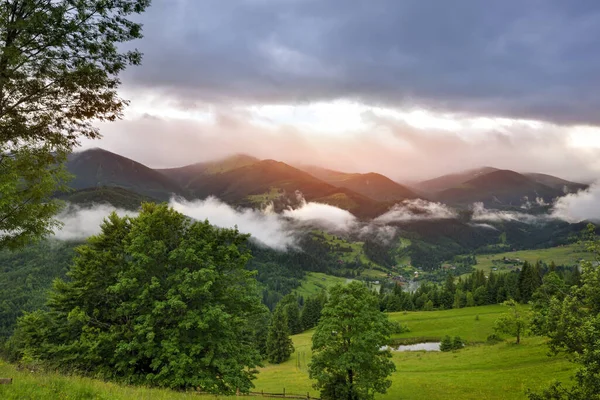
(528, 281)
(553, 287)
(311, 312)
(279, 344)
(59, 67)
(293, 317)
(514, 322)
(573, 325)
(155, 300)
(471, 299)
(348, 361)
(28, 176)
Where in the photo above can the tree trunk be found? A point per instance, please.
(350, 381)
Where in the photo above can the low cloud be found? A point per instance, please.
(382, 233)
(265, 226)
(581, 206)
(79, 223)
(277, 231)
(480, 213)
(323, 215)
(484, 226)
(418, 209)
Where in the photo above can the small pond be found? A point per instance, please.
(432, 346)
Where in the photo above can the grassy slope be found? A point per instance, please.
(375, 271)
(314, 282)
(501, 371)
(564, 255)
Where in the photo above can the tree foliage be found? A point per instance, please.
(279, 344)
(28, 176)
(514, 322)
(572, 322)
(59, 67)
(157, 300)
(348, 361)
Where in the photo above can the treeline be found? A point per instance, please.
(433, 242)
(477, 289)
(26, 276)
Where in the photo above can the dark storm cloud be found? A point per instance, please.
(515, 58)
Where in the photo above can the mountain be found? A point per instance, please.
(184, 175)
(498, 188)
(452, 180)
(557, 183)
(98, 167)
(373, 185)
(270, 180)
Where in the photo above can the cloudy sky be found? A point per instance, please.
(409, 88)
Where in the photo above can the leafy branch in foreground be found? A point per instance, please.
(60, 62)
(572, 322)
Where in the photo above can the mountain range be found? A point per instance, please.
(248, 181)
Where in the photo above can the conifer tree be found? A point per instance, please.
(279, 344)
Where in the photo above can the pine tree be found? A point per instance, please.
(526, 282)
(279, 344)
(292, 312)
(470, 299)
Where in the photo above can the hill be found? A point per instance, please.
(498, 188)
(270, 180)
(452, 180)
(184, 175)
(98, 167)
(373, 185)
(556, 183)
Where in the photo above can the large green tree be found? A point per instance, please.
(60, 62)
(349, 361)
(572, 321)
(157, 300)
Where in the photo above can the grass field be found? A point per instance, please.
(314, 282)
(563, 255)
(479, 371)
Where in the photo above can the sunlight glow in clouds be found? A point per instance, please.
(340, 117)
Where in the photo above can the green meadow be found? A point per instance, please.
(562, 255)
(479, 371)
(314, 282)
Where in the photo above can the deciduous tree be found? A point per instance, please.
(155, 300)
(349, 361)
(60, 62)
(514, 322)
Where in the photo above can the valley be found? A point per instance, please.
(325, 228)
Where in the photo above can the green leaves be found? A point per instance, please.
(348, 360)
(59, 67)
(157, 300)
(513, 323)
(28, 176)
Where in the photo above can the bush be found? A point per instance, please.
(457, 343)
(449, 344)
(400, 328)
(493, 339)
(446, 344)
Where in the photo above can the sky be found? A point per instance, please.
(409, 88)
